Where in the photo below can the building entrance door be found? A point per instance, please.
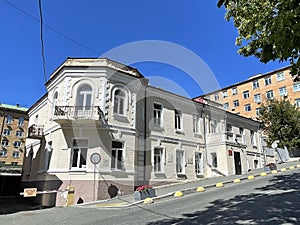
(237, 163)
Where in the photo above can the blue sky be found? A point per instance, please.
(92, 27)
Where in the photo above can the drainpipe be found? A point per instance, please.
(205, 139)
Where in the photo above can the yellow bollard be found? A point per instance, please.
(148, 201)
(274, 171)
(251, 177)
(236, 181)
(263, 174)
(200, 189)
(283, 170)
(219, 185)
(178, 194)
(298, 166)
(70, 196)
(291, 167)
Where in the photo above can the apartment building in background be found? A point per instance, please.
(100, 123)
(245, 98)
(13, 125)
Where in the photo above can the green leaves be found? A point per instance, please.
(268, 30)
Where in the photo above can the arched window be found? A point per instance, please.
(84, 97)
(9, 119)
(21, 121)
(119, 102)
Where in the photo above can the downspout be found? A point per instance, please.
(205, 141)
(145, 133)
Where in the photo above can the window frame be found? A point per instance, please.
(214, 159)
(180, 169)
(117, 158)
(157, 115)
(3, 155)
(21, 121)
(255, 84)
(178, 120)
(198, 163)
(268, 80)
(158, 160)
(119, 102)
(247, 108)
(81, 147)
(296, 87)
(257, 98)
(9, 119)
(246, 94)
(269, 93)
(280, 76)
(236, 103)
(283, 91)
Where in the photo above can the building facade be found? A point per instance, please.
(245, 98)
(13, 123)
(101, 124)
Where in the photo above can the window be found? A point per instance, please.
(234, 91)
(117, 155)
(257, 111)
(216, 96)
(9, 119)
(280, 76)
(21, 121)
(225, 94)
(157, 114)
(158, 160)
(17, 144)
(196, 124)
(119, 102)
(241, 131)
(212, 126)
(255, 163)
(269, 94)
(297, 102)
(252, 138)
(283, 91)
(247, 108)
(79, 153)
(19, 133)
(180, 161)
(246, 94)
(296, 87)
(268, 81)
(198, 163)
(54, 102)
(228, 128)
(16, 154)
(257, 98)
(236, 103)
(226, 106)
(6, 132)
(178, 118)
(3, 153)
(214, 160)
(84, 98)
(4, 142)
(255, 84)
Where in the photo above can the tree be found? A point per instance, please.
(281, 122)
(268, 29)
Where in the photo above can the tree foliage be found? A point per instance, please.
(268, 29)
(281, 122)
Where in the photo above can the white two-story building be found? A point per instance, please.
(101, 123)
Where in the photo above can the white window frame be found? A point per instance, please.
(225, 94)
(297, 102)
(216, 97)
(120, 102)
(17, 144)
(4, 142)
(85, 97)
(257, 111)
(234, 91)
(158, 160)
(9, 119)
(268, 80)
(213, 126)
(3, 151)
(247, 108)
(21, 121)
(253, 138)
(198, 163)
(197, 124)
(296, 87)
(283, 91)
(255, 84)
(280, 76)
(226, 106)
(117, 161)
(81, 149)
(6, 132)
(257, 98)
(19, 133)
(16, 154)
(236, 103)
(214, 159)
(180, 161)
(157, 115)
(246, 94)
(178, 120)
(270, 94)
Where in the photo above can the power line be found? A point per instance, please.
(42, 39)
(53, 29)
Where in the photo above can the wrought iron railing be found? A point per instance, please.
(78, 112)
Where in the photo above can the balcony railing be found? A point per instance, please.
(78, 113)
(36, 131)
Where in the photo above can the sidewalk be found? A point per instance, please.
(169, 190)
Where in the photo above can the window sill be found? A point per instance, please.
(179, 132)
(120, 118)
(160, 175)
(199, 175)
(197, 135)
(157, 128)
(78, 171)
(181, 176)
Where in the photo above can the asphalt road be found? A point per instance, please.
(274, 199)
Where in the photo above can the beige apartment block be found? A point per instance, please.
(101, 124)
(13, 126)
(245, 98)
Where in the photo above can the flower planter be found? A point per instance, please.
(140, 195)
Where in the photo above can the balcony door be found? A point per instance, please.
(84, 101)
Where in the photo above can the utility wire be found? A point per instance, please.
(53, 29)
(42, 39)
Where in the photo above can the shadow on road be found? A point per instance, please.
(276, 203)
(10, 205)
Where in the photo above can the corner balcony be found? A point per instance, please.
(36, 131)
(68, 114)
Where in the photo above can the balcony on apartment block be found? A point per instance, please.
(36, 131)
(67, 114)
